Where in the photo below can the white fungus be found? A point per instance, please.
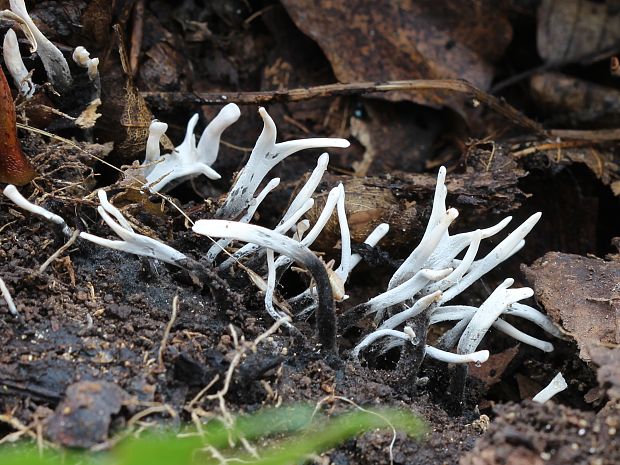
(557, 384)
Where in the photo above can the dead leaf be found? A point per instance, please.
(571, 30)
(491, 371)
(528, 388)
(96, 21)
(581, 294)
(89, 116)
(380, 41)
(15, 168)
(130, 132)
(393, 137)
(568, 99)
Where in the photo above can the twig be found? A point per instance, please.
(163, 408)
(17, 425)
(137, 32)
(600, 135)
(60, 251)
(175, 99)
(164, 339)
(8, 298)
(544, 147)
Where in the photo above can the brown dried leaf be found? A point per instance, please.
(15, 168)
(572, 99)
(392, 138)
(492, 370)
(96, 22)
(135, 120)
(380, 41)
(130, 131)
(581, 294)
(571, 30)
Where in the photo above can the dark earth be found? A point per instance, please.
(102, 346)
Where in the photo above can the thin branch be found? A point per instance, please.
(175, 99)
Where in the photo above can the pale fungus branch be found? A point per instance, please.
(6, 295)
(131, 242)
(15, 65)
(55, 64)
(557, 384)
(14, 195)
(431, 276)
(265, 155)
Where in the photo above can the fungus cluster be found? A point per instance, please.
(432, 276)
(55, 65)
(419, 294)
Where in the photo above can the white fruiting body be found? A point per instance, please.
(557, 384)
(425, 282)
(82, 58)
(131, 242)
(4, 291)
(55, 64)
(188, 160)
(15, 65)
(429, 278)
(265, 155)
(13, 194)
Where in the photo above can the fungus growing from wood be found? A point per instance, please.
(132, 242)
(14, 195)
(432, 276)
(15, 65)
(265, 155)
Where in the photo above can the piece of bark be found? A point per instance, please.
(581, 294)
(572, 30)
(406, 40)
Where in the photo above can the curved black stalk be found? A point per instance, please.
(456, 392)
(325, 315)
(326, 322)
(412, 355)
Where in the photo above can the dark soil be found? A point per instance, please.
(91, 328)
